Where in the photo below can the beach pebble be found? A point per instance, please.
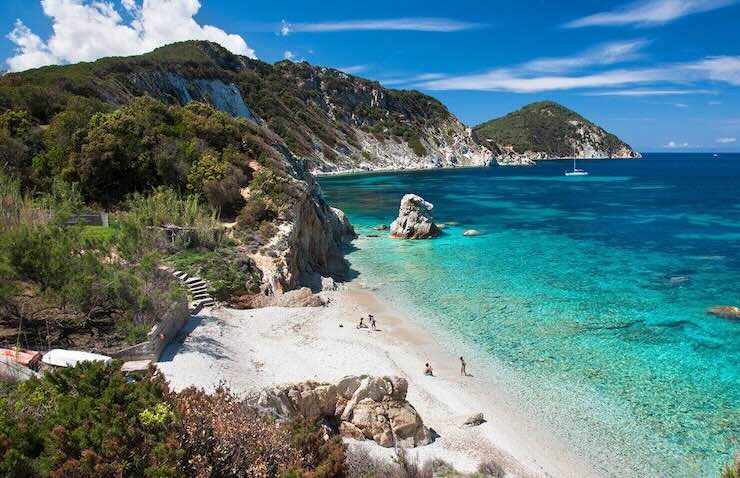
(474, 420)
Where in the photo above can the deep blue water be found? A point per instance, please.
(589, 292)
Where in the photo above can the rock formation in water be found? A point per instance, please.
(725, 311)
(547, 130)
(414, 219)
(364, 407)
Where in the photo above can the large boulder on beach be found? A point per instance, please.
(414, 219)
(725, 311)
(365, 407)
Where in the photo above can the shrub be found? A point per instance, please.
(85, 422)
(221, 438)
(322, 458)
(140, 224)
(254, 212)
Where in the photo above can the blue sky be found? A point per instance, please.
(662, 74)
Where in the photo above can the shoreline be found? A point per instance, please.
(252, 349)
(368, 172)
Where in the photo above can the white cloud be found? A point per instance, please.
(726, 140)
(604, 54)
(351, 70)
(680, 105)
(523, 79)
(674, 144)
(284, 28)
(84, 30)
(288, 55)
(649, 92)
(649, 12)
(444, 25)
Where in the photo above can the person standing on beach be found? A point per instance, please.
(463, 371)
(428, 370)
(372, 322)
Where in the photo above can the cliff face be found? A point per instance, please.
(335, 121)
(547, 130)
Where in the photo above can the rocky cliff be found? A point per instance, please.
(332, 120)
(547, 130)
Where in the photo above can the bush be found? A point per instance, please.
(322, 458)
(220, 438)
(140, 224)
(86, 422)
(254, 212)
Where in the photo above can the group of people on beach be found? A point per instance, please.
(370, 319)
(463, 368)
(427, 368)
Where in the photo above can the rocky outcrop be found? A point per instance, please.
(363, 407)
(725, 311)
(414, 219)
(308, 243)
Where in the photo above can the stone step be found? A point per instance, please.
(180, 275)
(201, 296)
(198, 289)
(193, 280)
(197, 284)
(204, 303)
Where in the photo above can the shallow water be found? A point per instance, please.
(591, 293)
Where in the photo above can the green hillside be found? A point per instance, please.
(545, 127)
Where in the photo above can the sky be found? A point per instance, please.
(664, 75)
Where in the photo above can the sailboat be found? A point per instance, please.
(576, 171)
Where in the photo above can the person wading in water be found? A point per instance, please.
(463, 366)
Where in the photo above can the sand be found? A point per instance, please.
(252, 349)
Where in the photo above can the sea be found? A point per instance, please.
(588, 294)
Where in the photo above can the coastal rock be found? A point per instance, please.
(381, 227)
(471, 232)
(366, 407)
(725, 311)
(414, 219)
(474, 420)
(328, 284)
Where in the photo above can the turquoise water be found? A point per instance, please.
(589, 293)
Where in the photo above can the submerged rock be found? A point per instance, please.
(725, 311)
(471, 232)
(381, 227)
(414, 219)
(365, 407)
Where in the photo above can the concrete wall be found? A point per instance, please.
(159, 336)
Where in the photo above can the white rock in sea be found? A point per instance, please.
(414, 219)
(471, 232)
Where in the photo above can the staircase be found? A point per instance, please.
(198, 290)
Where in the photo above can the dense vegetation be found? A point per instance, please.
(540, 127)
(150, 164)
(312, 109)
(90, 421)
